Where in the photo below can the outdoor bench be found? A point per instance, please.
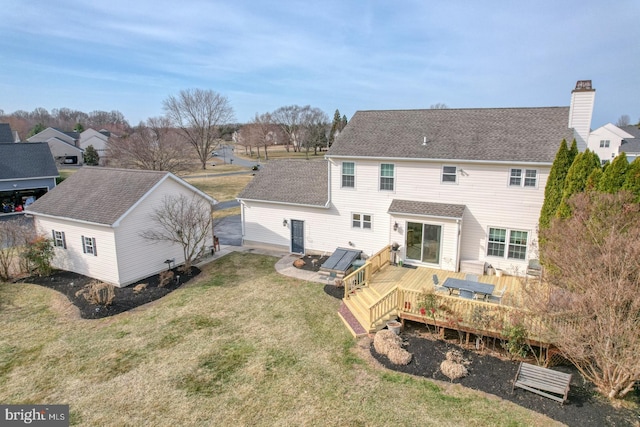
(543, 381)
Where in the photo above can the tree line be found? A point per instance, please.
(590, 246)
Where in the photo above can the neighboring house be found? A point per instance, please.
(55, 138)
(65, 153)
(98, 139)
(6, 134)
(453, 187)
(607, 141)
(631, 146)
(27, 172)
(96, 217)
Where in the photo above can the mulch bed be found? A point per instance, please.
(495, 375)
(127, 298)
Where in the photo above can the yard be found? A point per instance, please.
(241, 345)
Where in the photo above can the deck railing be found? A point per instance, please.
(360, 278)
(484, 317)
(384, 307)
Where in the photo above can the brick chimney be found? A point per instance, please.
(580, 112)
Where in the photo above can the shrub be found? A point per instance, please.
(516, 336)
(140, 287)
(385, 340)
(37, 255)
(99, 293)
(165, 278)
(399, 356)
(455, 365)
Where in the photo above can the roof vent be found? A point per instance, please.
(424, 142)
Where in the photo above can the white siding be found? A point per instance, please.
(610, 133)
(137, 257)
(580, 113)
(483, 188)
(102, 267)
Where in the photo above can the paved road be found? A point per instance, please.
(226, 154)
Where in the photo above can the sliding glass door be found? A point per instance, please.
(423, 242)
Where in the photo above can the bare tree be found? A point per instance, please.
(198, 114)
(153, 145)
(185, 221)
(261, 131)
(623, 120)
(594, 285)
(313, 129)
(14, 235)
(289, 119)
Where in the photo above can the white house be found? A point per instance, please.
(99, 140)
(606, 141)
(96, 217)
(455, 188)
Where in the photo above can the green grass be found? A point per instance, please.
(221, 188)
(241, 345)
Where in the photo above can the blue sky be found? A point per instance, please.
(351, 55)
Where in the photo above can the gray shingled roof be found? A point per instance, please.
(301, 182)
(25, 160)
(633, 130)
(412, 207)
(492, 134)
(6, 135)
(97, 195)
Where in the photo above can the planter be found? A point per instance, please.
(394, 326)
(498, 272)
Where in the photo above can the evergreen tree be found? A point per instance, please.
(632, 180)
(91, 157)
(336, 126)
(555, 184)
(344, 122)
(573, 151)
(36, 130)
(576, 181)
(614, 175)
(78, 128)
(594, 180)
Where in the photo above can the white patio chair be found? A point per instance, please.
(436, 285)
(471, 277)
(497, 297)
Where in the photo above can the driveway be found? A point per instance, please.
(228, 230)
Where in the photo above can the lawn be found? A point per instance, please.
(221, 188)
(241, 345)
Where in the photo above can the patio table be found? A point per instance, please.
(477, 288)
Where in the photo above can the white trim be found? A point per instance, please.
(455, 174)
(395, 182)
(325, 206)
(342, 175)
(431, 160)
(30, 178)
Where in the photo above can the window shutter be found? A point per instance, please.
(53, 235)
(84, 249)
(95, 248)
(64, 241)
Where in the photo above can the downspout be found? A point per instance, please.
(326, 205)
(459, 223)
(242, 228)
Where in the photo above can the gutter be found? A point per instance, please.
(432, 160)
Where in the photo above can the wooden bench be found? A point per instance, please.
(543, 381)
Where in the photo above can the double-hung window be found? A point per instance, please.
(523, 177)
(506, 243)
(450, 174)
(348, 175)
(387, 176)
(89, 246)
(359, 220)
(604, 143)
(59, 240)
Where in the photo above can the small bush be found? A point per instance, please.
(140, 287)
(399, 356)
(165, 278)
(453, 370)
(385, 340)
(99, 293)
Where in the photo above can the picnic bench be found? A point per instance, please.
(542, 381)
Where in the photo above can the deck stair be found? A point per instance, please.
(359, 304)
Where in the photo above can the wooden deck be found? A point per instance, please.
(379, 291)
(421, 278)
